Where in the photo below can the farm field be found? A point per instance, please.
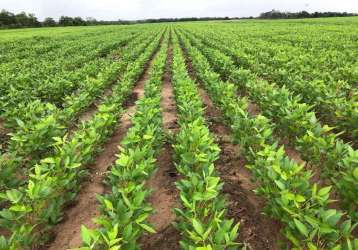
(192, 135)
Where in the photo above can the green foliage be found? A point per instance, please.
(292, 119)
(124, 211)
(33, 209)
(202, 218)
(291, 198)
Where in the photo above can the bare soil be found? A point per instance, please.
(253, 109)
(256, 231)
(165, 195)
(4, 137)
(68, 233)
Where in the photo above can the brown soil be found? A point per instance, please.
(4, 137)
(4, 232)
(165, 195)
(253, 109)
(68, 233)
(291, 152)
(256, 230)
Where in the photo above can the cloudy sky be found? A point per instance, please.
(141, 9)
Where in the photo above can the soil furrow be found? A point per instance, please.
(4, 136)
(257, 231)
(68, 233)
(165, 195)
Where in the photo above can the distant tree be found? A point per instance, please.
(78, 21)
(49, 22)
(33, 22)
(65, 21)
(91, 21)
(275, 14)
(7, 18)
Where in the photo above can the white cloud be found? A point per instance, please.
(140, 9)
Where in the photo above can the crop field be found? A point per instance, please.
(192, 135)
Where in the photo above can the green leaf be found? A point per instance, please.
(301, 227)
(147, 228)
(86, 235)
(300, 198)
(346, 228)
(108, 204)
(20, 123)
(208, 247)
(20, 208)
(280, 185)
(123, 160)
(324, 191)
(198, 227)
(141, 218)
(311, 246)
(147, 137)
(14, 195)
(49, 160)
(355, 173)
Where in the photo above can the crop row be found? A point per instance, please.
(35, 208)
(46, 44)
(317, 144)
(319, 55)
(201, 220)
(31, 141)
(48, 79)
(302, 207)
(124, 210)
(332, 106)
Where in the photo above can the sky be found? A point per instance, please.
(143, 9)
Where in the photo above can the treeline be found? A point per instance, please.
(276, 14)
(24, 20)
(184, 19)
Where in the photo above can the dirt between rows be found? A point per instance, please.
(257, 231)
(68, 233)
(165, 195)
(4, 136)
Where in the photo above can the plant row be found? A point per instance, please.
(302, 207)
(49, 78)
(32, 140)
(201, 220)
(294, 120)
(124, 210)
(316, 54)
(45, 43)
(55, 181)
(333, 108)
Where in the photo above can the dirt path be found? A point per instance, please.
(165, 195)
(68, 233)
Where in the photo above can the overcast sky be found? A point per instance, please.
(142, 9)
